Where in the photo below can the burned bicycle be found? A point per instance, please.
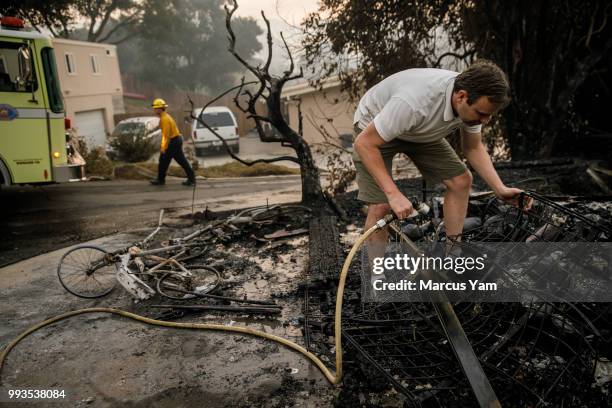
(89, 271)
(174, 270)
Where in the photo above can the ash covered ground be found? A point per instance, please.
(534, 359)
(102, 360)
(109, 361)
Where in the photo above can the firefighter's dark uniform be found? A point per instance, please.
(171, 148)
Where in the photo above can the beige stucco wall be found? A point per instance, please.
(86, 90)
(329, 108)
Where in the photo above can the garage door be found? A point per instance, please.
(90, 126)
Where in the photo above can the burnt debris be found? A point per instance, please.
(533, 353)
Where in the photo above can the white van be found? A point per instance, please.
(221, 120)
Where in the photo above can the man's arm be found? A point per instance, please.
(367, 144)
(479, 158)
(164, 127)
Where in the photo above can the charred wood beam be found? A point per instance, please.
(325, 257)
(227, 298)
(222, 308)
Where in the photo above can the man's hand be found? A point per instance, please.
(401, 206)
(511, 195)
(480, 160)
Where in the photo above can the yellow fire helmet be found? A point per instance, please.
(159, 103)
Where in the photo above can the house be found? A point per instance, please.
(325, 110)
(91, 86)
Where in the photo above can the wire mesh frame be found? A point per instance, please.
(549, 268)
(528, 351)
(545, 221)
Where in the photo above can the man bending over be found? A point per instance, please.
(412, 112)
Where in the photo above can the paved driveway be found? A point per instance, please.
(34, 220)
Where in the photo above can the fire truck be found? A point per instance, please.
(35, 146)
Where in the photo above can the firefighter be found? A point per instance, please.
(171, 146)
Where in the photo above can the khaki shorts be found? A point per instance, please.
(436, 161)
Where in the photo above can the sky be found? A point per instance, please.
(293, 11)
(285, 16)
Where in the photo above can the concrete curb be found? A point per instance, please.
(282, 177)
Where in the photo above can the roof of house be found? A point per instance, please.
(82, 43)
(212, 109)
(31, 35)
(303, 88)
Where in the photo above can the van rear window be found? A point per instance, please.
(216, 119)
(130, 128)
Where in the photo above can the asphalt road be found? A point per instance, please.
(34, 220)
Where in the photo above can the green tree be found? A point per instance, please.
(172, 44)
(183, 44)
(364, 42)
(102, 19)
(555, 53)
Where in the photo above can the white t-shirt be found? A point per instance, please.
(412, 105)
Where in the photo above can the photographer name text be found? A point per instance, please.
(406, 285)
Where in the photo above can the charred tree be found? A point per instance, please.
(558, 56)
(268, 88)
(551, 52)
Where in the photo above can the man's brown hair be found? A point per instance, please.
(484, 78)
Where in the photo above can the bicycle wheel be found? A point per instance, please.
(192, 253)
(87, 271)
(204, 280)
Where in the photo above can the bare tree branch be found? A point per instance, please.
(300, 75)
(259, 117)
(52, 30)
(283, 19)
(269, 41)
(265, 75)
(105, 19)
(453, 54)
(229, 151)
(93, 17)
(35, 25)
(237, 97)
(288, 72)
(300, 118)
(224, 142)
(592, 31)
(232, 40)
(242, 84)
(124, 38)
(279, 130)
(125, 22)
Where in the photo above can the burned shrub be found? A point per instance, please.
(132, 143)
(340, 170)
(96, 161)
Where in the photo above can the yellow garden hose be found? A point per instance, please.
(334, 378)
